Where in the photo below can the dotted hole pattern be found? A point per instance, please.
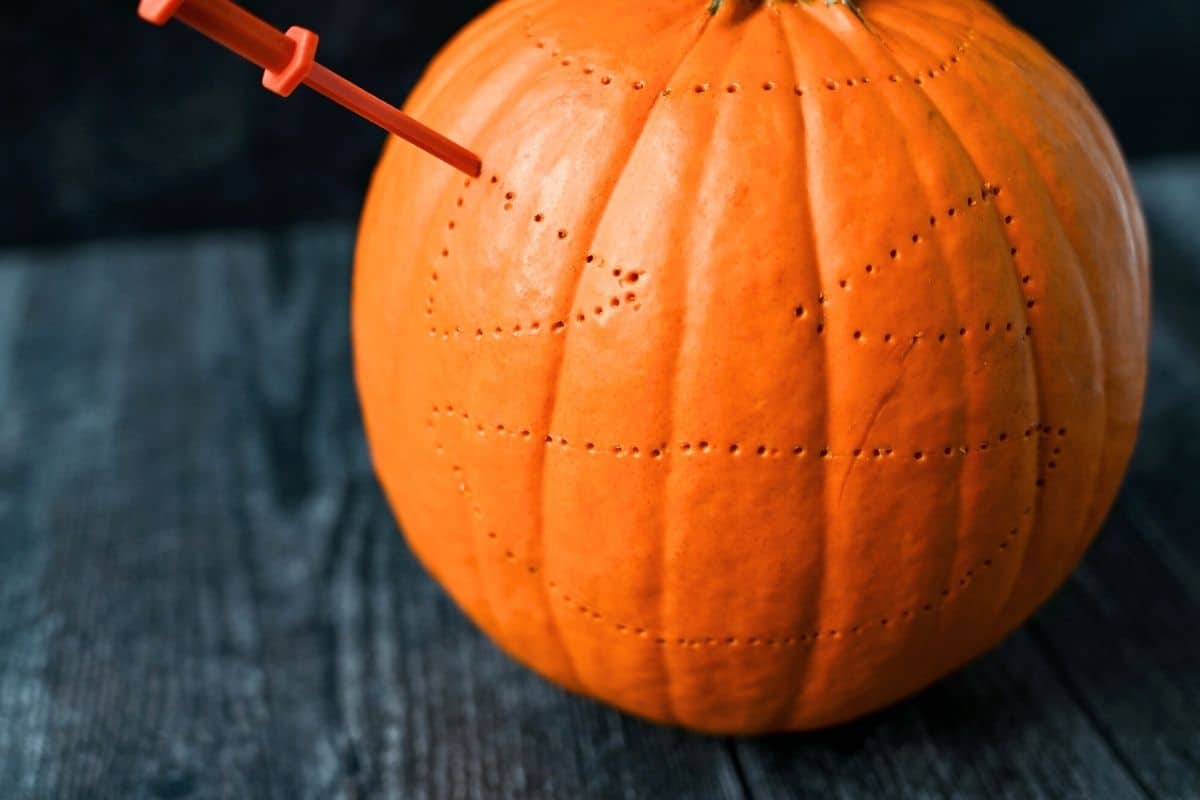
(736, 450)
(709, 446)
(734, 87)
(798, 639)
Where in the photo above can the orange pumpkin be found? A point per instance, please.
(780, 361)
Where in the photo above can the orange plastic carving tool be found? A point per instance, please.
(289, 59)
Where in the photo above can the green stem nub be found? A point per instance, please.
(715, 5)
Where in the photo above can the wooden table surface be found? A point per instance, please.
(203, 594)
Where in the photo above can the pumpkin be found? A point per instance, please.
(784, 357)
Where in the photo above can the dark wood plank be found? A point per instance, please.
(202, 592)
(1124, 635)
(1003, 727)
(142, 679)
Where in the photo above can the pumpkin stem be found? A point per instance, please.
(715, 5)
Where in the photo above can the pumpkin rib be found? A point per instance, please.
(797, 702)
(1005, 222)
(428, 97)
(1034, 172)
(936, 570)
(922, 12)
(1102, 138)
(971, 23)
(987, 38)
(664, 606)
(1089, 271)
(498, 110)
(619, 166)
(897, 251)
(1097, 337)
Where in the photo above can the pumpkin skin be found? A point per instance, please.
(777, 364)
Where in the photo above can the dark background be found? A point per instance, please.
(112, 127)
(203, 593)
